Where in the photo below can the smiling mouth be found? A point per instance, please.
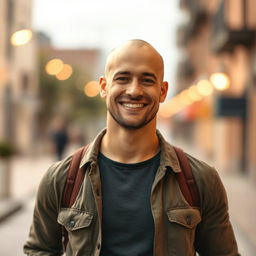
(133, 105)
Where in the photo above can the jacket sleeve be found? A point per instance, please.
(214, 235)
(45, 236)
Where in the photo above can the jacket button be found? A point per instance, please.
(71, 223)
(188, 219)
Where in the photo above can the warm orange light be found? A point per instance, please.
(170, 108)
(3, 75)
(166, 109)
(54, 66)
(194, 94)
(205, 88)
(92, 89)
(163, 111)
(184, 98)
(176, 105)
(220, 81)
(21, 37)
(65, 72)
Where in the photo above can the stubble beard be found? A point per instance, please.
(125, 124)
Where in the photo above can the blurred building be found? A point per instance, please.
(84, 59)
(70, 94)
(67, 66)
(217, 45)
(18, 74)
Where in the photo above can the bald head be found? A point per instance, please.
(130, 49)
(133, 75)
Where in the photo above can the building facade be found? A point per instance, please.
(218, 36)
(18, 76)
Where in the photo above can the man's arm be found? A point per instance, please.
(215, 236)
(45, 236)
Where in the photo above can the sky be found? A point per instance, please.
(104, 24)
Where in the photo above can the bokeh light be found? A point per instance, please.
(54, 66)
(220, 81)
(92, 89)
(204, 87)
(194, 94)
(21, 37)
(184, 98)
(65, 72)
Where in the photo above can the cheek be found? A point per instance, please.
(114, 92)
(110, 98)
(155, 95)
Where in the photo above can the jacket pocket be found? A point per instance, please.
(74, 219)
(180, 230)
(186, 217)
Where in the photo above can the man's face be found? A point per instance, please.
(133, 86)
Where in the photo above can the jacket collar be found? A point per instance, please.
(92, 151)
(168, 158)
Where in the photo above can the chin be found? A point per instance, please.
(133, 126)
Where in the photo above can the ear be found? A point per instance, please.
(164, 90)
(103, 87)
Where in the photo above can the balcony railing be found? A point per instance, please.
(224, 38)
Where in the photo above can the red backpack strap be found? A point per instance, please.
(186, 180)
(73, 183)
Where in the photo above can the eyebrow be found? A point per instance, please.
(129, 73)
(149, 74)
(122, 73)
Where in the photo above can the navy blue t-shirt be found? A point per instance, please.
(127, 221)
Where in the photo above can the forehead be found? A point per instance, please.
(133, 57)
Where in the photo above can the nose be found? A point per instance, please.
(134, 89)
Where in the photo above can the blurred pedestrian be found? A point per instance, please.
(76, 139)
(59, 137)
(130, 201)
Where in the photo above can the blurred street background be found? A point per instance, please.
(51, 55)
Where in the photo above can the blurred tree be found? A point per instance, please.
(66, 97)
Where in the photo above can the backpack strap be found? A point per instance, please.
(186, 180)
(75, 177)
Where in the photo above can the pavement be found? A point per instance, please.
(242, 209)
(27, 173)
(16, 211)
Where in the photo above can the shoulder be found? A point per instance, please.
(208, 181)
(54, 179)
(58, 170)
(201, 169)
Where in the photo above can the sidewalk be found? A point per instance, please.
(242, 207)
(26, 173)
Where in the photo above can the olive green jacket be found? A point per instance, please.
(180, 229)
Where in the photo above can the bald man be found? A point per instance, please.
(130, 202)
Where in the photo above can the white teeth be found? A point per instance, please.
(133, 105)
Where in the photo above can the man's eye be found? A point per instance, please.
(122, 79)
(148, 80)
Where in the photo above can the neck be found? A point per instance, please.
(130, 146)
